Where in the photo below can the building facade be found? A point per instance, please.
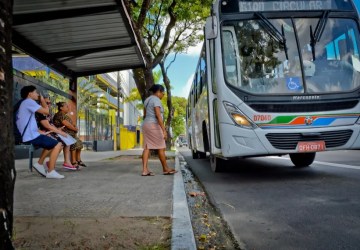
(101, 110)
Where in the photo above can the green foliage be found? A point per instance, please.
(87, 97)
(135, 97)
(189, 16)
(87, 90)
(178, 120)
(157, 76)
(164, 27)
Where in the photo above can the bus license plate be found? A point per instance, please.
(311, 146)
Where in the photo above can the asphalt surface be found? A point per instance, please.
(270, 205)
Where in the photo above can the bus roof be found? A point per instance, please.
(242, 6)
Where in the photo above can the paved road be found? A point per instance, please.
(270, 205)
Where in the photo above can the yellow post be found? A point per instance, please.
(115, 138)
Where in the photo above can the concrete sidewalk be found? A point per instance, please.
(109, 187)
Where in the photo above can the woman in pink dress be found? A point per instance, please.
(154, 130)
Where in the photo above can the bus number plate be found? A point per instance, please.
(311, 146)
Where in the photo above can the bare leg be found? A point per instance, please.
(162, 158)
(145, 158)
(73, 156)
(67, 155)
(54, 155)
(44, 154)
(78, 154)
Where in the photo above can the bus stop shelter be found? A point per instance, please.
(76, 37)
(73, 37)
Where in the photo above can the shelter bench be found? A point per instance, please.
(30, 148)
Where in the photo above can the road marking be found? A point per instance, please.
(337, 165)
(324, 163)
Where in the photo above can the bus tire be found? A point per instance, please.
(302, 160)
(195, 154)
(216, 164)
(205, 138)
(202, 155)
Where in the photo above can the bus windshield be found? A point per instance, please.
(257, 61)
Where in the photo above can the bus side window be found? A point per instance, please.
(199, 86)
(203, 71)
(195, 89)
(193, 96)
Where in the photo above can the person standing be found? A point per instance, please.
(154, 130)
(26, 124)
(61, 119)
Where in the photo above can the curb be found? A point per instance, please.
(182, 235)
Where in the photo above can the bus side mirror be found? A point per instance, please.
(211, 27)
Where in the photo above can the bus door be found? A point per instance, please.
(213, 124)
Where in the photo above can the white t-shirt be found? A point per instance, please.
(150, 103)
(28, 107)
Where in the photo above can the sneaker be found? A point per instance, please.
(40, 169)
(69, 167)
(54, 175)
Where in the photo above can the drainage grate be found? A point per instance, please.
(289, 141)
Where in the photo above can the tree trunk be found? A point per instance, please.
(169, 104)
(7, 166)
(144, 79)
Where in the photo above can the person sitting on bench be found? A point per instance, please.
(26, 123)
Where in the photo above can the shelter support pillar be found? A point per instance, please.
(118, 142)
(7, 164)
(73, 102)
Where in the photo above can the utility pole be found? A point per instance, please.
(118, 112)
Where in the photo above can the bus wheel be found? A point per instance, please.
(302, 160)
(195, 154)
(202, 155)
(216, 164)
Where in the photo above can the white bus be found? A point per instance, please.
(276, 77)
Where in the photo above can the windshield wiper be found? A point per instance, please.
(316, 35)
(274, 32)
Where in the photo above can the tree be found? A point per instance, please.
(7, 165)
(164, 27)
(178, 121)
(88, 95)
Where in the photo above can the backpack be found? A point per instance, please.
(17, 135)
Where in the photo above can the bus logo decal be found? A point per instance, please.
(309, 120)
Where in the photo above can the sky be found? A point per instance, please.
(182, 71)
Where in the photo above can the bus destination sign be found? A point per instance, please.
(254, 6)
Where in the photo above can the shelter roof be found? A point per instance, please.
(77, 37)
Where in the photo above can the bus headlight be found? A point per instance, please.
(238, 117)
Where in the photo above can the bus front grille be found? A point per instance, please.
(303, 107)
(289, 141)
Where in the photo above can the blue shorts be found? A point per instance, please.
(44, 141)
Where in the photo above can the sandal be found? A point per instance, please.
(148, 174)
(171, 172)
(75, 164)
(81, 164)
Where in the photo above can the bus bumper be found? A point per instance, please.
(241, 142)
